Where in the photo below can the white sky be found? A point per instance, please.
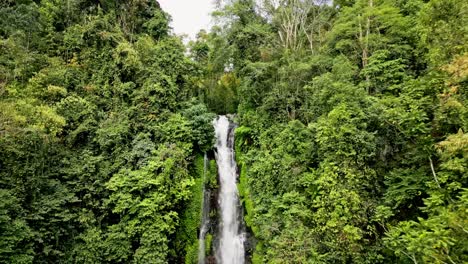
(188, 16)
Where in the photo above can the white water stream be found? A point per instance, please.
(231, 238)
(205, 221)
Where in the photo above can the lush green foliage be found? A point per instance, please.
(98, 131)
(353, 117)
(352, 143)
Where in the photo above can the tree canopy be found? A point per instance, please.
(352, 139)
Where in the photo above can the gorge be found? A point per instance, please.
(349, 120)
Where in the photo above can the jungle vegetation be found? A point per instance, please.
(352, 140)
(353, 118)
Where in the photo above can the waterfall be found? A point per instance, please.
(231, 238)
(205, 215)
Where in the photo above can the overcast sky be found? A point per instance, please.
(188, 16)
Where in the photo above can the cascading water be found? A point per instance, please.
(205, 216)
(231, 237)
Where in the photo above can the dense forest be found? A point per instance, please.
(351, 138)
(99, 132)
